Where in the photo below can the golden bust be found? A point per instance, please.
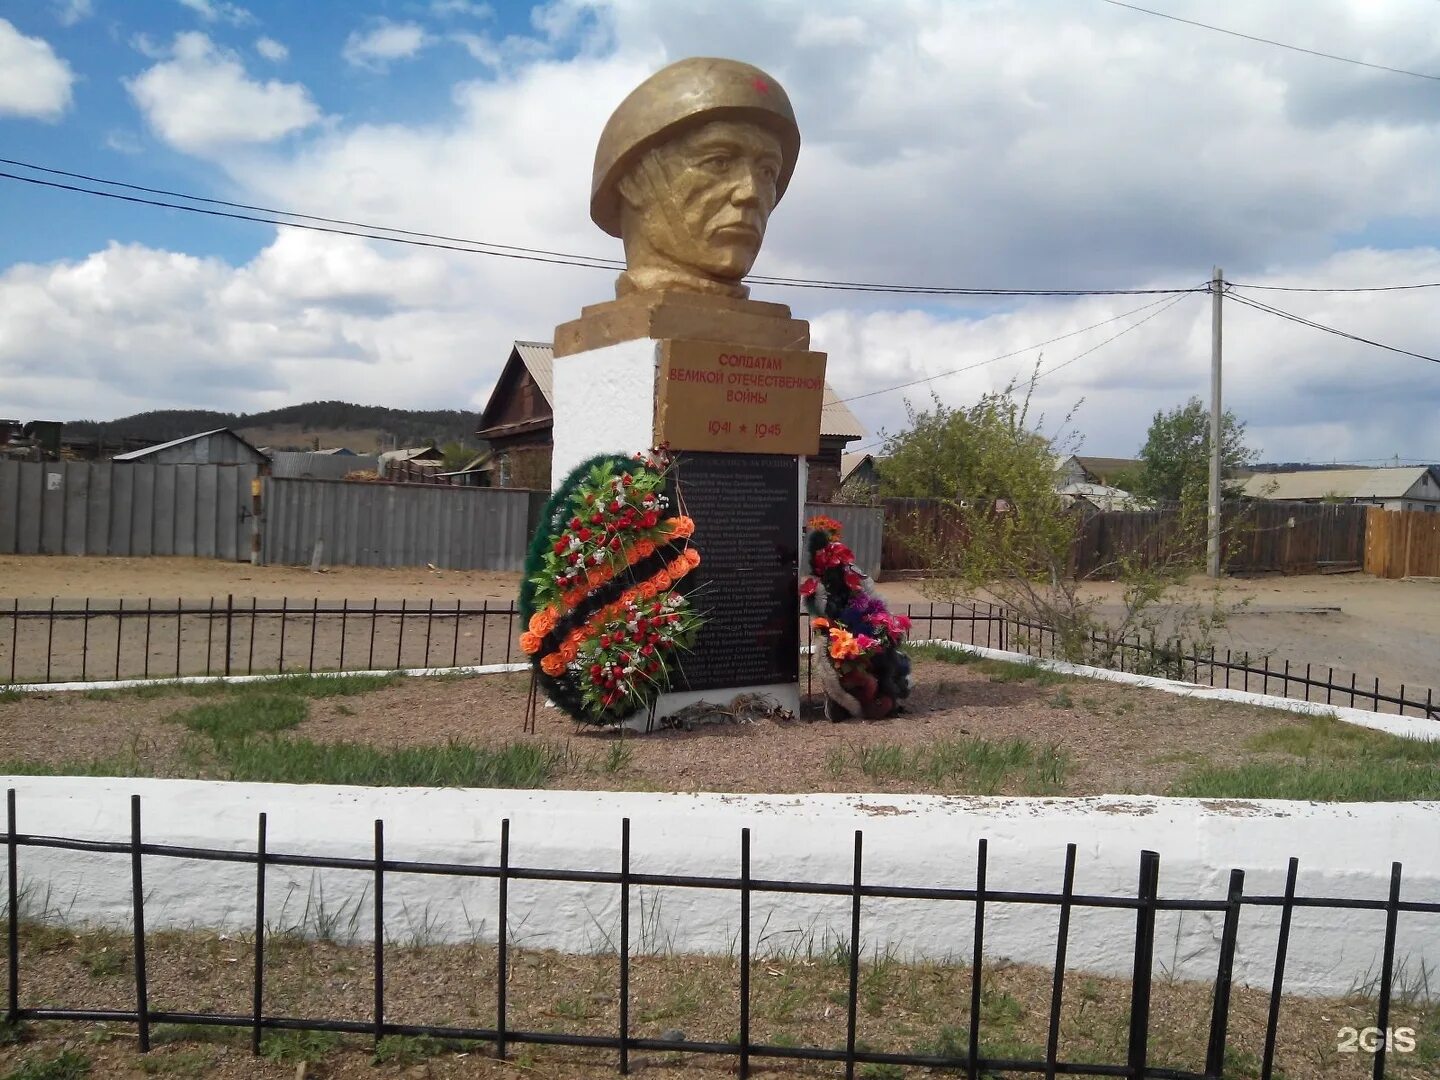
(687, 171)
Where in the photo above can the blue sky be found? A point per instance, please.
(1010, 143)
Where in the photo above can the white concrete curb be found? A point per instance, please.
(1344, 851)
(193, 680)
(1410, 727)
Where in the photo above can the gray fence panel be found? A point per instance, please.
(863, 528)
(97, 521)
(9, 507)
(32, 508)
(207, 485)
(77, 491)
(292, 464)
(162, 541)
(187, 489)
(379, 524)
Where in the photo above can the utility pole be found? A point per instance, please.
(1212, 545)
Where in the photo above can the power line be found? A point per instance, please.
(1277, 44)
(1292, 317)
(1101, 345)
(1002, 356)
(1330, 289)
(414, 238)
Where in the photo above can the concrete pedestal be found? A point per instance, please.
(604, 402)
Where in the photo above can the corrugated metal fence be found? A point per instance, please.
(861, 528)
(118, 508)
(378, 524)
(290, 463)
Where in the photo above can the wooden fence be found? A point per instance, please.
(1402, 543)
(1263, 536)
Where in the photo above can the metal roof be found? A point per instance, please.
(136, 455)
(1389, 483)
(851, 461)
(539, 359)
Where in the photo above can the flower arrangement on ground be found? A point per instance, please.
(865, 673)
(604, 622)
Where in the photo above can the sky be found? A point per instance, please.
(1010, 144)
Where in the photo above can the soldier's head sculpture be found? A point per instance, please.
(687, 171)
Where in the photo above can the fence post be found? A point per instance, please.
(853, 994)
(744, 954)
(1387, 969)
(1062, 937)
(972, 1065)
(502, 943)
(1144, 961)
(12, 906)
(229, 627)
(625, 947)
(259, 997)
(379, 931)
(137, 899)
(1272, 1020)
(1220, 1012)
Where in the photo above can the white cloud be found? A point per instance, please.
(220, 11)
(34, 82)
(201, 99)
(123, 142)
(384, 42)
(1007, 144)
(272, 50)
(70, 12)
(446, 9)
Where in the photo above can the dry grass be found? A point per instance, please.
(797, 1000)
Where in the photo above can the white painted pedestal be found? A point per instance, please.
(604, 403)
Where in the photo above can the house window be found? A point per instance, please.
(1430, 508)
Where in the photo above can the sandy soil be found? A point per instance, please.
(1114, 739)
(1352, 622)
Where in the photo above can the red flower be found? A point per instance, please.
(560, 546)
(615, 544)
(808, 586)
(575, 523)
(650, 520)
(614, 506)
(596, 518)
(627, 480)
(648, 650)
(583, 533)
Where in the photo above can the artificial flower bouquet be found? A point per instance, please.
(865, 673)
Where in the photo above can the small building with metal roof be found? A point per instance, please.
(1409, 487)
(219, 447)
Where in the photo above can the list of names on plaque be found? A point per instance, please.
(746, 509)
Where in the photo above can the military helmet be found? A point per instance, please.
(685, 94)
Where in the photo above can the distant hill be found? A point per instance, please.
(363, 428)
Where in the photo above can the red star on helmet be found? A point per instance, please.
(760, 85)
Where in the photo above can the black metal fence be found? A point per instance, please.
(1145, 903)
(1142, 655)
(78, 641)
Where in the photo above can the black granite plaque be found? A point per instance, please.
(747, 529)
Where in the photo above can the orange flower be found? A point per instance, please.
(648, 590)
(542, 622)
(843, 645)
(569, 651)
(530, 642)
(819, 623)
(629, 595)
(574, 598)
(577, 636)
(682, 526)
(692, 556)
(662, 580)
(678, 567)
(553, 664)
(644, 548)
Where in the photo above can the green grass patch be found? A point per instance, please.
(1331, 761)
(456, 764)
(1007, 671)
(930, 651)
(67, 1065)
(7, 694)
(243, 716)
(968, 765)
(301, 686)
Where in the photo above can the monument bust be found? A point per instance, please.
(687, 171)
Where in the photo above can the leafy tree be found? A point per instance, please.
(992, 526)
(1175, 460)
